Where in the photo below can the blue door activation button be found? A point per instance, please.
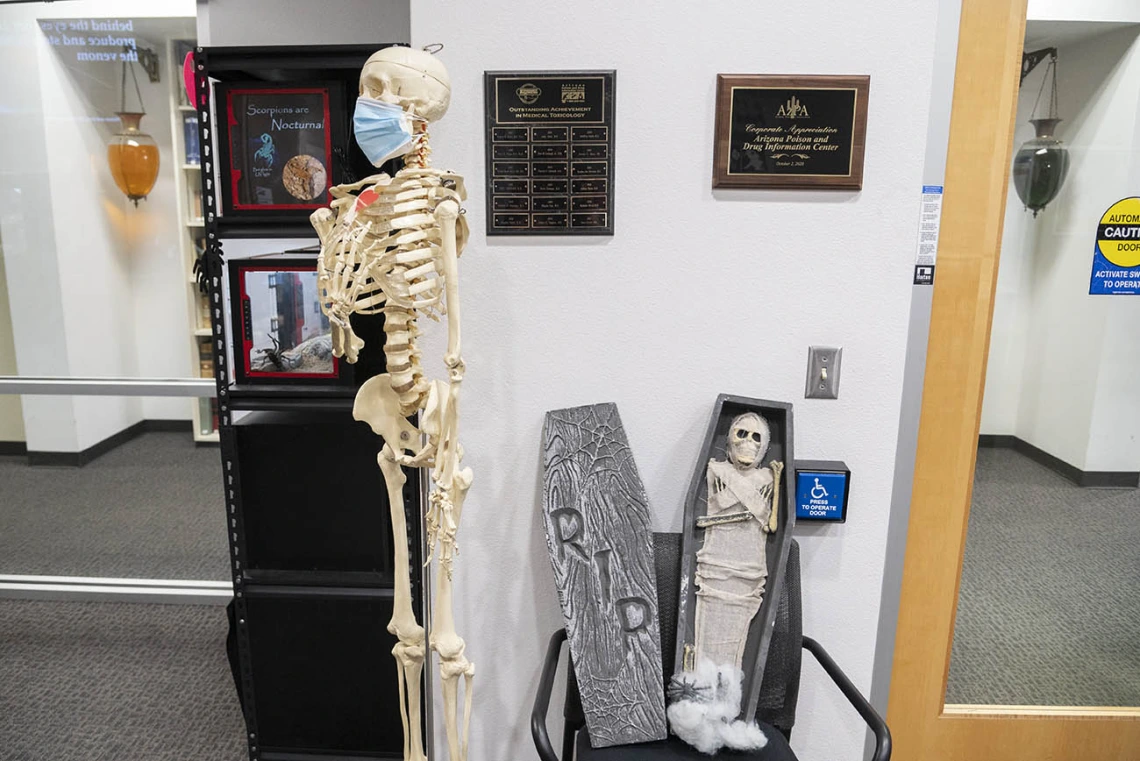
(821, 494)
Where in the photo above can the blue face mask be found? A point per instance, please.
(383, 130)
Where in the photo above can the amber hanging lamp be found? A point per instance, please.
(132, 154)
(1041, 164)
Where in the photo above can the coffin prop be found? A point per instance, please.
(735, 537)
(601, 546)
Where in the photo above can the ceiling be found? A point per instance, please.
(1044, 34)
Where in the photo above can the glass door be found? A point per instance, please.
(1049, 604)
(1016, 634)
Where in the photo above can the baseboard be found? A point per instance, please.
(167, 426)
(997, 441)
(13, 448)
(1092, 478)
(79, 459)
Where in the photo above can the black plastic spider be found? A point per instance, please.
(682, 688)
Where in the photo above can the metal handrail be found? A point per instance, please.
(109, 386)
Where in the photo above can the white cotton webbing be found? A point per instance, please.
(704, 716)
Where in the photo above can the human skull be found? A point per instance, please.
(413, 79)
(748, 439)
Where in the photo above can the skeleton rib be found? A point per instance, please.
(426, 285)
(420, 271)
(376, 299)
(412, 220)
(415, 255)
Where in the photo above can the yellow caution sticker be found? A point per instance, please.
(1118, 234)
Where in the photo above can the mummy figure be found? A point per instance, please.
(732, 570)
(732, 566)
(390, 244)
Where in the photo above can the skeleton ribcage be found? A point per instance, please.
(383, 257)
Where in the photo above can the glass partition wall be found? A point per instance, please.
(110, 486)
(111, 491)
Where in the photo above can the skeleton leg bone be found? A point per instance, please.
(445, 640)
(403, 706)
(409, 650)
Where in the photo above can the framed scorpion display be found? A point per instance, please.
(282, 334)
(282, 148)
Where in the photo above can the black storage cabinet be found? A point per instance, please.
(306, 505)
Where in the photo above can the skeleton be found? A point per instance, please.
(732, 565)
(392, 248)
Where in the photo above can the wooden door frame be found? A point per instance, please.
(987, 73)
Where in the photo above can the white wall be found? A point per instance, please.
(28, 233)
(11, 417)
(97, 286)
(1010, 318)
(328, 22)
(158, 278)
(1059, 358)
(90, 232)
(1115, 422)
(696, 294)
(1084, 10)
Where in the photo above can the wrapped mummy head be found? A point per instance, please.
(748, 440)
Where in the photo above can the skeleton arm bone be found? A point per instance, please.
(448, 213)
(453, 483)
(717, 492)
(773, 516)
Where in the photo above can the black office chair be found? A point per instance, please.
(778, 693)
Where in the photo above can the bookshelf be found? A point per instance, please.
(192, 243)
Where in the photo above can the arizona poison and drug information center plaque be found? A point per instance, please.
(550, 157)
(790, 131)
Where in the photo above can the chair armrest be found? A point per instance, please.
(865, 709)
(542, 698)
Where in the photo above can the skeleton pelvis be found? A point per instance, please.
(379, 406)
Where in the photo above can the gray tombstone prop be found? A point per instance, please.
(779, 418)
(601, 546)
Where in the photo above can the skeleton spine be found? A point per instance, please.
(403, 357)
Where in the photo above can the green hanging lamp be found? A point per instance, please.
(1042, 163)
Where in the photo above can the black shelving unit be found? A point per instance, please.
(306, 505)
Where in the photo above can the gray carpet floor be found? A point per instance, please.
(1049, 607)
(152, 507)
(116, 682)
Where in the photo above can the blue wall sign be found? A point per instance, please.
(821, 491)
(1116, 254)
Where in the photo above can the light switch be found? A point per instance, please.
(823, 372)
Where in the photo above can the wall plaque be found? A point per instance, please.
(790, 131)
(550, 152)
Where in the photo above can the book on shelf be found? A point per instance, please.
(205, 359)
(182, 48)
(203, 302)
(190, 133)
(195, 203)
